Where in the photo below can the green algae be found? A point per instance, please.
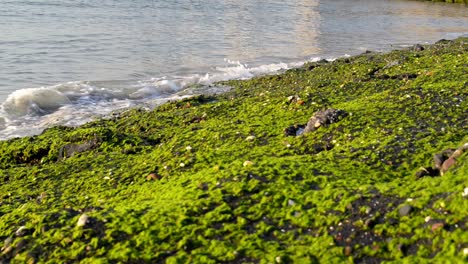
(328, 196)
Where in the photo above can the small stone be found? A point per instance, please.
(250, 138)
(405, 210)
(248, 163)
(278, 259)
(428, 171)
(182, 165)
(437, 226)
(152, 177)
(291, 202)
(465, 192)
(418, 47)
(427, 219)
(21, 231)
(188, 148)
(7, 243)
(83, 220)
(348, 250)
(457, 153)
(450, 162)
(465, 251)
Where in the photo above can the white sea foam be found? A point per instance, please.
(29, 111)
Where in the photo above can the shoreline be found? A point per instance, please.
(224, 178)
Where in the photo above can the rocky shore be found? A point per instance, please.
(357, 160)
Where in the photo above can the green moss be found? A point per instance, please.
(328, 196)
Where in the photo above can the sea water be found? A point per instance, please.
(66, 62)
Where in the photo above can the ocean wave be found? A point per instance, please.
(29, 111)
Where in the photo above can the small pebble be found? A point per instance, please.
(405, 210)
(248, 163)
(250, 138)
(152, 177)
(106, 178)
(465, 192)
(427, 219)
(7, 243)
(188, 148)
(291, 202)
(182, 165)
(278, 259)
(437, 226)
(465, 251)
(83, 220)
(348, 250)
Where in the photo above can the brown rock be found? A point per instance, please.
(348, 250)
(437, 226)
(450, 162)
(152, 177)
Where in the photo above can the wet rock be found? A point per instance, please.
(69, 150)
(83, 220)
(294, 130)
(405, 210)
(418, 47)
(444, 42)
(428, 171)
(450, 162)
(323, 118)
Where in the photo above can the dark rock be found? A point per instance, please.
(418, 47)
(324, 117)
(71, 149)
(428, 171)
(443, 42)
(405, 210)
(294, 130)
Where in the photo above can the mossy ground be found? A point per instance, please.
(331, 196)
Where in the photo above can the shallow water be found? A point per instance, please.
(67, 61)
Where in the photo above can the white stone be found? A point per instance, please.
(250, 138)
(83, 220)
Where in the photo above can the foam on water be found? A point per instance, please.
(29, 111)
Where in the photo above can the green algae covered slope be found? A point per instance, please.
(215, 179)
